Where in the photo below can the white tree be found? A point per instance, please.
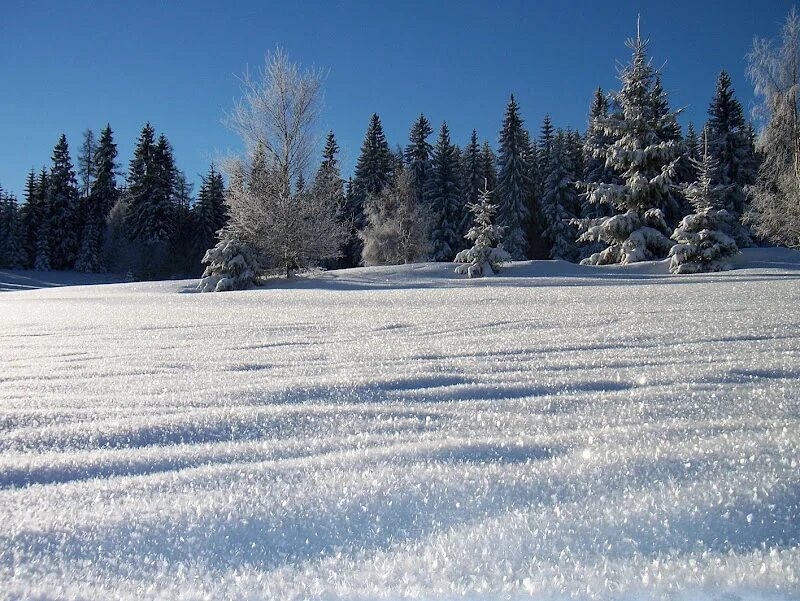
(703, 240)
(646, 164)
(775, 197)
(487, 253)
(231, 265)
(285, 228)
(398, 225)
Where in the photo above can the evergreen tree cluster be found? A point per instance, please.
(83, 220)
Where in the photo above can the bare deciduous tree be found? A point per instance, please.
(277, 119)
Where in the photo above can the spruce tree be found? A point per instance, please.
(560, 202)
(98, 204)
(729, 144)
(514, 182)
(443, 196)
(12, 253)
(30, 218)
(86, 165)
(646, 164)
(62, 199)
(473, 179)
(418, 156)
(142, 188)
(372, 174)
(545, 147)
(209, 210)
(41, 259)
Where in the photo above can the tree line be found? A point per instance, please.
(82, 219)
(633, 186)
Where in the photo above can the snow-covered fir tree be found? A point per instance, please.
(690, 148)
(141, 192)
(702, 240)
(372, 174)
(560, 202)
(595, 149)
(232, 264)
(646, 164)
(443, 197)
(486, 255)
(514, 183)
(544, 150)
(62, 201)
(41, 252)
(729, 143)
(398, 225)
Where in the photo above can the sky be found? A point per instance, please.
(69, 66)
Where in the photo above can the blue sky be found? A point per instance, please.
(67, 66)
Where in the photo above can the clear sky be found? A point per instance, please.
(68, 66)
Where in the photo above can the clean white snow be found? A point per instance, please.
(557, 431)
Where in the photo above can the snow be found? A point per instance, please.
(559, 431)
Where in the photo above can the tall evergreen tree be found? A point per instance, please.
(560, 202)
(646, 163)
(443, 196)
(489, 160)
(418, 156)
(545, 147)
(729, 143)
(30, 218)
(98, 204)
(12, 254)
(372, 174)
(142, 188)
(514, 183)
(210, 212)
(472, 177)
(86, 166)
(62, 200)
(41, 259)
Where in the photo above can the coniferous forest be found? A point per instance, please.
(632, 186)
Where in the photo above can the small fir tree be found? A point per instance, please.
(703, 243)
(486, 255)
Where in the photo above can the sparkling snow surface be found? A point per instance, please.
(557, 431)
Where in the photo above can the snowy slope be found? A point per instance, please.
(403, 433)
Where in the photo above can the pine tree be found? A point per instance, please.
(514, 182)
(646, 163)
(486, 255)
(372, 174)
(690, 148)
(62, 199)
(489, 161)
(703, 243)
(560, 203)
(443, 197)
(729, 143)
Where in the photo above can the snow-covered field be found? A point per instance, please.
(402, 433)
